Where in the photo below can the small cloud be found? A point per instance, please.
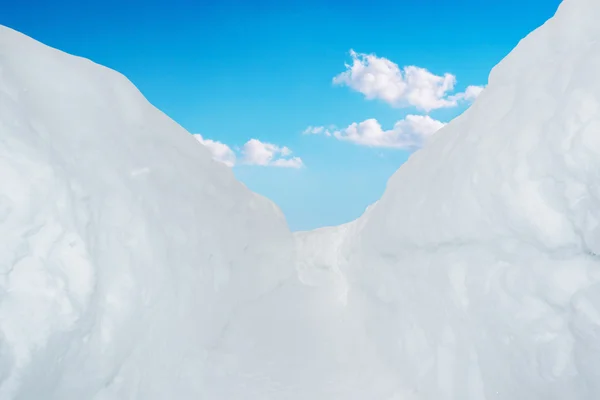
(220, 151)
(409, 133)
(380, 78)
(256, 152)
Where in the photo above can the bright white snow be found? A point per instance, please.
(133, 266)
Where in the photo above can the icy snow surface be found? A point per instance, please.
(132, 266)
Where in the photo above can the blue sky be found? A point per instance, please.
(236, 70)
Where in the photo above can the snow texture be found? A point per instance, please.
(133, 266)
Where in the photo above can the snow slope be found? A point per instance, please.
(478, 270)
(132, 266)
(124, 247)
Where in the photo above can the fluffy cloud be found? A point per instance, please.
(409, 133)
(256, 152)
(220, 151)
(380, 78)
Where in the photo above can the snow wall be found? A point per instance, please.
(132, 266)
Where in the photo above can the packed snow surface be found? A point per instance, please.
(132, 266)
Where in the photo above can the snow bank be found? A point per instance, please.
(478, 270)
(123, 247)
(132, 266)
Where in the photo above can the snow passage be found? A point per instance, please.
(132, 266)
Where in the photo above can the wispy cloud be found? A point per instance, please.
(380, 78)
(409, 133)
(253, 152)
(314, 130)
(319, 130)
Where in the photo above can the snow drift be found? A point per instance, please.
(132, 266)
(124, 247)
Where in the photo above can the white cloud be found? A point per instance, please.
(220, 151)
(408, 133)
(256, 152)
(380, 78)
